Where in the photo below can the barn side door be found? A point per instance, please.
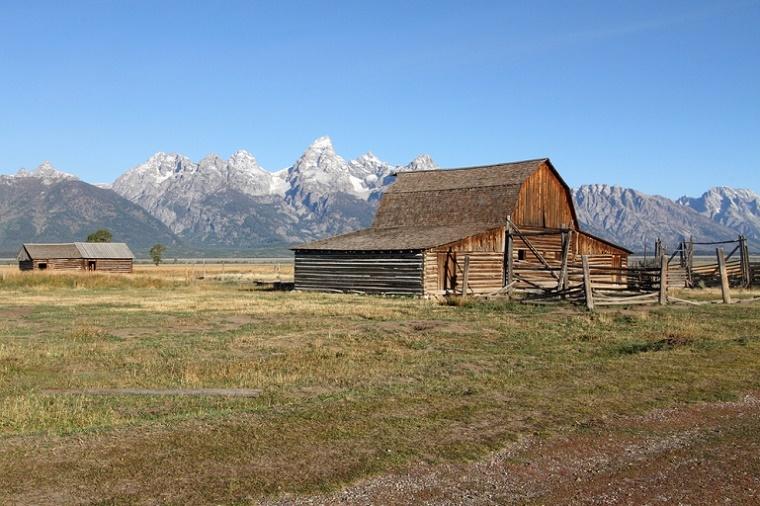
(447, 271)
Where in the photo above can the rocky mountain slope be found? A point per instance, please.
(738, 209)
(47, 205)
(635, 220)
(236, 203)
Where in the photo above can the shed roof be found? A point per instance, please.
(394, 238)
(38, 251)
(104, 250)
(113, 250)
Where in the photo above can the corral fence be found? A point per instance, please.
(597, 285)
(686, 272)
(592, 281)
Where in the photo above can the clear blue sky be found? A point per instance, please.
(660, 96)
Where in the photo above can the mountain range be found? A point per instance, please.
(235, 206)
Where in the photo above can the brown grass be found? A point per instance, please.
(350, 386)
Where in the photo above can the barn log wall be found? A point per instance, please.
(605, 259)
(486, 252)
(486, 263)
(389, 272)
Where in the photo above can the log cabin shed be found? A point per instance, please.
(428, 222)
(76, 256)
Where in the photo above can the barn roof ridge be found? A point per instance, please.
(487, 166)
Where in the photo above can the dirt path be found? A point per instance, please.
(703, 454)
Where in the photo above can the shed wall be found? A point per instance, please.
(78, 264)
(113, 265)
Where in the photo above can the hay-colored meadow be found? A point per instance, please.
(350, 386)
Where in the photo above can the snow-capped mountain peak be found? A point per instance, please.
(323, 143)
(242, 158)
(214, 195)
(421, 162)
(738, 208)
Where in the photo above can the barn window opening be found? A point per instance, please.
(42, 266)
(521, 254)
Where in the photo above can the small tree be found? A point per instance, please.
(101, 235)
(156, 252)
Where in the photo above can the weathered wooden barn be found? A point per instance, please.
(76, 256)
(433, 228)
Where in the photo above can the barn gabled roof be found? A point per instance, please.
(484, 194)
(87, 250)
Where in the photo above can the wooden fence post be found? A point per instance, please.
(466, 276)
(691, 259)
(587, 288)
(749, 264)
(663, 280)
(508, 251)
(744, 257)
(562, 283)
(723, 275)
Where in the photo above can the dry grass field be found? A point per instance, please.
(373, 394)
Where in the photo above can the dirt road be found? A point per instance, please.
(703, 454)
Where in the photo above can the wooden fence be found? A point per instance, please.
(596, 285)
(685, 272)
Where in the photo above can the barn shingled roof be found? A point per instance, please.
(423, 209)
(394, 238)
(485, 195)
